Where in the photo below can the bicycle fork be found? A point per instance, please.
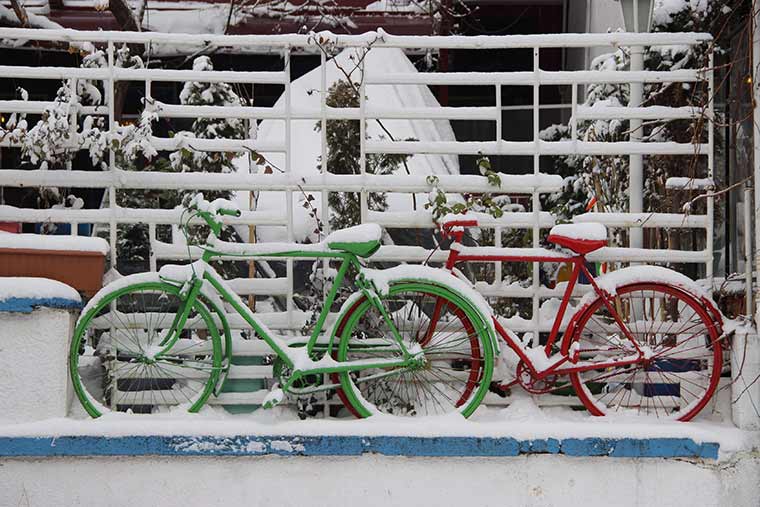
(188, 295)
(371, 293)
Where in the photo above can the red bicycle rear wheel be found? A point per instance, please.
(683, 357)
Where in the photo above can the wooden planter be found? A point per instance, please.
(82, 270)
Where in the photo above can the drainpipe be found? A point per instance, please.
(745, 348)
(756, 140)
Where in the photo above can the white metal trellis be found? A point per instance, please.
(533, 184)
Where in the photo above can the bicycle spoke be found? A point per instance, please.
(453, 362)
(677, 372)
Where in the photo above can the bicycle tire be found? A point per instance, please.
(682, 371)
(110, 359)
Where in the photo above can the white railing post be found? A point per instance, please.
(289, 192)
(152, 261)
(325, 205)
(112, 235)
(499, 141)
(748, 283)
(536, 201)
(363, 197)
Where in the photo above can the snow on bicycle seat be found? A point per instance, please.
(580, 238)
(361, 240)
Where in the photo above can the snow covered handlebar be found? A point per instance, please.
(215, 207)
(452, 226)
(209, 211)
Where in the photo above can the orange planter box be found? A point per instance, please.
(75, 261)
(81, 270)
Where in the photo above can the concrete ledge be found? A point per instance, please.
(245, 445)
(37, 319)
(27, 305)
(24, 294)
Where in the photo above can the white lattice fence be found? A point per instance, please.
(288, 184)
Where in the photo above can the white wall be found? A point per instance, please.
(34, 350)
(591, 16)
(535, 480)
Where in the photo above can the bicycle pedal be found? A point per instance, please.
(498, 389)
(273, 398)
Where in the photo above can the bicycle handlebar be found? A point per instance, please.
(455, 228)
(229, 212)
(209, 211)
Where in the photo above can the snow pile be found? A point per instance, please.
(216, 206)
(49, 242)
(305, 141)
(208, 20)
(35, 288)
(686, 183)
(395, 6)
(35, 21)
(664, 10)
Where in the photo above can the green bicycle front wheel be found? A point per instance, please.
(452, 335)
(118, 360)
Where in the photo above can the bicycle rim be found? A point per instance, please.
(683, 358)
(118, 360)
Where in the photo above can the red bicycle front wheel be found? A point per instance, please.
(683, 357)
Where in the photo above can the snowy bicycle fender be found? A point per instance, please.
(383, 278)
(175, 275)
(611, 282)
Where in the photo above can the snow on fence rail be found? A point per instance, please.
(291, 184)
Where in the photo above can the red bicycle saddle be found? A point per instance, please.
(580, 238)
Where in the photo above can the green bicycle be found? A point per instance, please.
(411, 341)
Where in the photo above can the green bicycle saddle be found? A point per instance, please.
(361, 240)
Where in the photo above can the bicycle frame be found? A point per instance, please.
(300, 359)
(562, 362)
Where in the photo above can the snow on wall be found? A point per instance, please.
(34, 348)
(36, 288)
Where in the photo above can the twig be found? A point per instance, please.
(21, 14)
(687, 206)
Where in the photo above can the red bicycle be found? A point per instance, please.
(643, 340)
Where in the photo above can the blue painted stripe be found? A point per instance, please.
(247, 445)
(26, 305)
